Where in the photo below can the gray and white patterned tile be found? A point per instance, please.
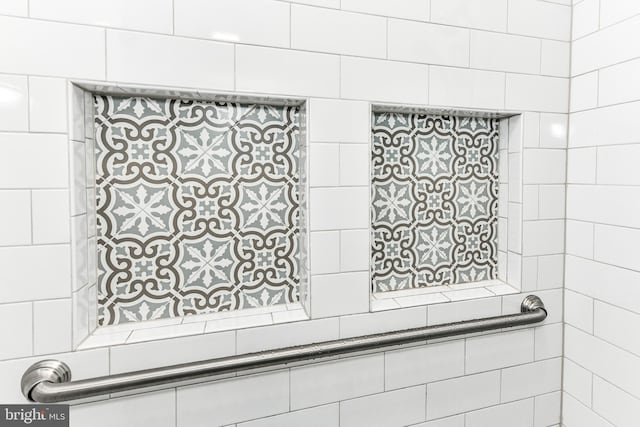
(434, 200)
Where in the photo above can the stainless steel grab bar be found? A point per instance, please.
(49, 381)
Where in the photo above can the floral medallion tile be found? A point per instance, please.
(434, 200)
(198, 207)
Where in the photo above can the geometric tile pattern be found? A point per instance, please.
(434, 200)
(197, 207)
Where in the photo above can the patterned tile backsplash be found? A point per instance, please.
(434, 200)
(197, 206)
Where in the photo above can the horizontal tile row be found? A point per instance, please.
(515, 16)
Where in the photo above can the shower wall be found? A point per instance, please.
(602, 298)
(496, 55)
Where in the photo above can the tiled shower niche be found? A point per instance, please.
(434, 200)
(198, 206)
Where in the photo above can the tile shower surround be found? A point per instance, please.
(434, 200)
(197, 207)
(518, 62)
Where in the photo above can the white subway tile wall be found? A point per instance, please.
(503, 54)
(602, 309)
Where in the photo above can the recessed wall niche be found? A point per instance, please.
(434, 200)
(198, 204)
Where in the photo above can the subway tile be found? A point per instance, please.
(515, 414)
(360, 79)
(618, 83)
(543, 237)
(289, 72)
(548, 339)
(594, 50)
(587, 276)
(617, 165)
(228, 21)
(52, 326)
(550, 271)
(455, 421)
(616, 326)
(586, 18)
(152, 354)
(77, 116)
(413, 41)
(383, 321)
(336, 380)
(191, 328)
(324, 165)
(14, 7)
(584, 92)
(578, 310)
(517, 381)
(354, 250)
(14, 110)
(335, 4)
(472, 392)
(409, 9)
(515, 177)
(47, 104)
(616, 246)
(537, 93)
(613, 11)
(354, 164)
(488, 15)
(20, 281)
(33, 160)
(393, 408)
(157, 409)
(320, 416)
(614, 404)
(353, 289)
(485, 353)
(333, 120)
(15, 217)
(529, 205)
(539, 19)
(603, 359)
(140, 58)
(579, 238)
(79, 254)
(504, 52)
(287, 335)
(80, 316)
(555, 58)
(127, 14)
(547, 409)
(514, 233)
(424, 364)
(77, 170)
(466, 88)
(577, 381)
(325, 252)
(576, 414)
(586, 126)
(229, 401)
(581, 165)
(339, 208)
(529, 273)
(16, 330)
(544, 166)
(308, 32)
(30, 46)
(553, 130)
(551, 202)
(515, 269)
(615, 205)
(50, 216)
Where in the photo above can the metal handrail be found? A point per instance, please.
(49, 381)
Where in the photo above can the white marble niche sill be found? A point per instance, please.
(381, 301)
(129, 333)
